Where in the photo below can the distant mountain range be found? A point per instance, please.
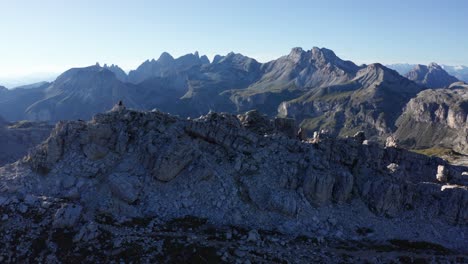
(316, 87)
(26, 79)
(460, 72)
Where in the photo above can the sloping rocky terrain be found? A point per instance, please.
(371, 102)
(151, 187)
(436, 118)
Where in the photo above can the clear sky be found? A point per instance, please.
(53, 35)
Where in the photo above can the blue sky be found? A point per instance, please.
(51, 36)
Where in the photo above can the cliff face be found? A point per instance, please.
(371, 102)
(436, 118)
(244, 171)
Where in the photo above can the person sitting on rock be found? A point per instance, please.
(118, 107)
(301, 135)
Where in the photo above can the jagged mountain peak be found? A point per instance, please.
(119, 72)
(434, 65)
(238, 61)
(232, 56)
(165, 66)
(217, 58)
(204, 59)
(431, 76)
(323, 54)
(165, 58)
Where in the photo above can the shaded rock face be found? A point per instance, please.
(431, 76)
(371, 102)
(16, 138)
(291, 76)
(232, 170)
(119, 73)
(166, 149)
(436, 118)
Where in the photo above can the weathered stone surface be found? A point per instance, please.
(391, 142)
(87, 232)
(318, 187)
(344, 182)
(124, 186)
(67, 216)
(172, 160)
(225, 171)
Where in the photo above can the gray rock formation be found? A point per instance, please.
(436, 118)
(291, 76)
(460, 72)
(153, 168)
(119, 73)
(371, 102)
(431, 76)
(165, 66)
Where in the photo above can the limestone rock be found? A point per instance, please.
(67, 216)
(442, 173)
(318, 187)
(124, 186)
(391, 142)
(87, 233)
(172, 160)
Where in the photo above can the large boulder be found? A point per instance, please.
(67, 216)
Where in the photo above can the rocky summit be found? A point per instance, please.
(431, 76)
(150, 187)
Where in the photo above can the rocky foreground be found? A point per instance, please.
(149, 187)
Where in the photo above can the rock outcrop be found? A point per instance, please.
(231, 171)
(436, 118)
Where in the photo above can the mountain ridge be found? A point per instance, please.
(431, 76)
